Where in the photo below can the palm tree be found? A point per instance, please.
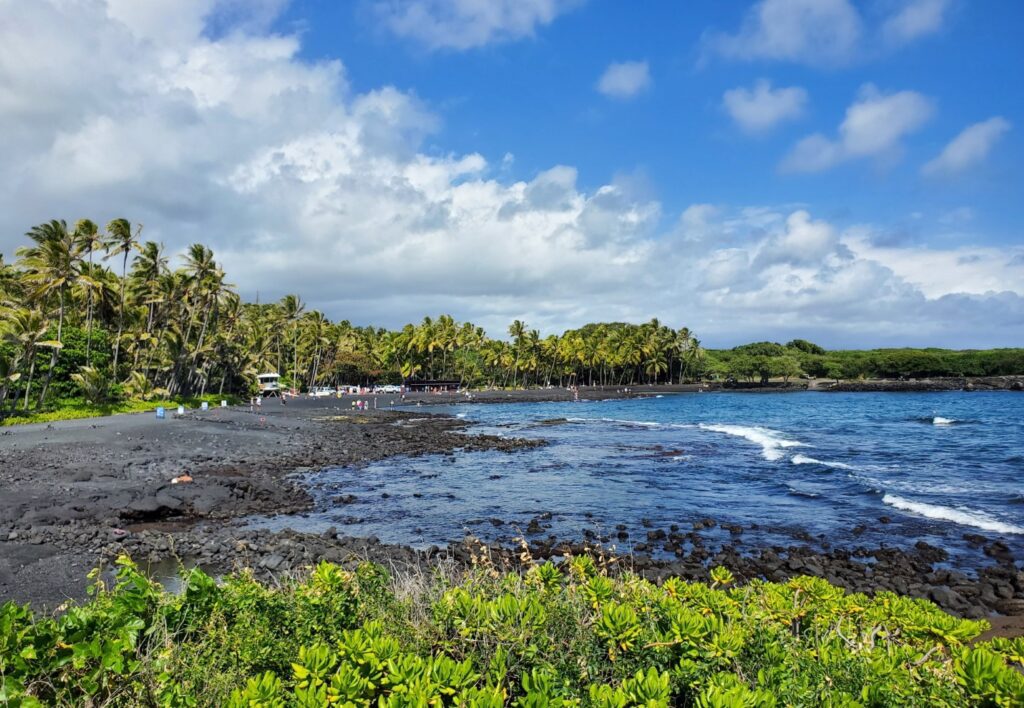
(316, 325)
(147, 269)
(8, 375)
(516, 330)
(292, 308)
(26, 329)
(120, 241)
(87, 239)
(51, 266)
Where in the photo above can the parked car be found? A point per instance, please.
(321, 391)
(389, 388)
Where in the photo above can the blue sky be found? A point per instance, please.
(846, 171)
(535, 98)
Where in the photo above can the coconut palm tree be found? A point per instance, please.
(292, 308)
(516, 330)
(51, 267)
(147, 270)
(120, 241)
(26, 331)
(88, 240)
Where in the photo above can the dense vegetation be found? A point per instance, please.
(764, 360)
(100, 318)
(554, 636)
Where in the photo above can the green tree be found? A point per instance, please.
(120, 241)
(52, 266)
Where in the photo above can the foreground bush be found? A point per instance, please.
(554, 636)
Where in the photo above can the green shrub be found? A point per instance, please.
(552, 636)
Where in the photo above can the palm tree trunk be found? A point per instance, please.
(120, 314)
(88, 338)
(31, 373)
(295, 366)
(54, 354)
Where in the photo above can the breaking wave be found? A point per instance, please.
(805, 460)
(963, 516)
(771, 441)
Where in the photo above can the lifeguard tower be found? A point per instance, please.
(269, 385)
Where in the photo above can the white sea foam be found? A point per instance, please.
(771, 441)
(962, 515)
(799, 459)
(640, 423)
(460, 415)
(939, 420)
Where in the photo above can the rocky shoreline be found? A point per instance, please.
(980, 383)
(219, 548)
(595, 393)
(79, 493)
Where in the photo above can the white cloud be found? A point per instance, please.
(802, 241)
(625, 80)
(874, 126)
(301, 185)
(762, 107)
(824, 32)
(466, 24)
(969, 148)
(807, 31)
(915, 19)
(972, 270)
(696, 222)
(788, 274)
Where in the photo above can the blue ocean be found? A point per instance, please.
(831, 470)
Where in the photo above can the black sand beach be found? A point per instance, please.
(78, 493)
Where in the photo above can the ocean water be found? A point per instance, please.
(787, 467)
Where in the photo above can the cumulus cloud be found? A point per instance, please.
(915, 19)
(300, 184)
(874, 126)
(696, 223)
(761, 108)
(790, 272)
(625, 80)
(970, 147)
(808, 31)
(972, 270)
(824, 32)
(467, 24)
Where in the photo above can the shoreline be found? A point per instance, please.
(80, 492)
(598, 393)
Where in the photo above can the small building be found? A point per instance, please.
(269, 384)
(433, 386)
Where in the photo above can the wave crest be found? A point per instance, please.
(771, 441)
(805, 460)
(962, 516)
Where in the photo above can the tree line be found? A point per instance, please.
(99, 314)
(763, 361)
